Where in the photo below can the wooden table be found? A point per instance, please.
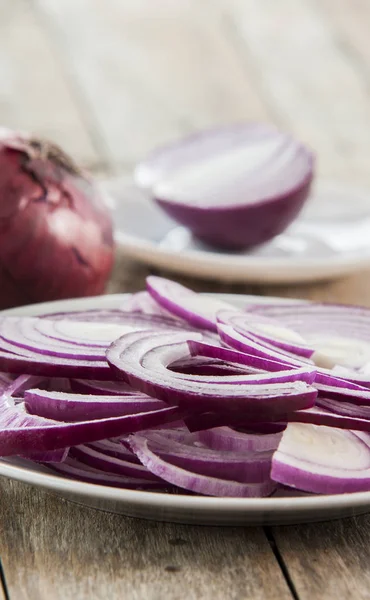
(109, 81)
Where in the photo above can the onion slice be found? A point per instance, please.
(53, 456)
(267, 331)
(63, 406)
(340, 333)
(328, 382)
(199, 311)
(323, 460)
(78, 470)
(188, 452)
(105, 388)
(21, 432)
(142, 360)
(97, 459)
(195, 482)
(229, 440)
(252, 362)
(143, 303)
(32, 363)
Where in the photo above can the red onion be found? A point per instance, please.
(266, 330)
(78, 470)
(185, 478)
(116, 449)
(189, 452)
(55, 230)
(143, 303)
(53, 456)
(251, 362)
(322, 414)
(323, 460)
(22, 432)
(142, 360)
(264, 400)
(230, 440)
(63, 406)
(105, 388)
(339, 334)
(233, 187)
(194, 309)
(98, 459)
(351, 409)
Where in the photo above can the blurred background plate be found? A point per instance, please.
(330, 238)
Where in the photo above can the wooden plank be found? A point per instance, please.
(315, 87)
(52, 548)
(33, 93)
(327, 561)
(349, 19)
(151, 71)
(353, 289)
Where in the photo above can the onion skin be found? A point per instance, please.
(238, 227)
(56, 237)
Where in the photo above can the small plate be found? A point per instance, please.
(330, 238)
(179, 508)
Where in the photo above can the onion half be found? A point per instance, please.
(233, 187)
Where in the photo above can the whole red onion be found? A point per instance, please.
(55, 231)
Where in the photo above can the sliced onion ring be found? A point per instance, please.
(256, 394)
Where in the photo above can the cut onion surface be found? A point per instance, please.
(267, 331)
(195, 482)
(251, 361)
(199, 311)
(82, 340)
(105, 388)
(98, 459)
(235, 187)
(323, 414)
(115, 448)
(22, 432)
(322, 460)
(343, 384)
(63, 406)
(78, 470)
(345, 408)
(53, 456)
(230, 440)
(191, 454)
(100, 315)
(142, 361)
(337, 332)
(144, 303)
(214, 401)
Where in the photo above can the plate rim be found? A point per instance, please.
(175, 502)
(234, 267)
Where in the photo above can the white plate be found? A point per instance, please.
(180, 508)
(330, 238)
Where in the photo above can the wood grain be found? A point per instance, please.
(314, 86)
(149, 72)
(328, 561)
(109, 81)
(55, 549)
(33, 92)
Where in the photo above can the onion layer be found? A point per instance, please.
(233, 187)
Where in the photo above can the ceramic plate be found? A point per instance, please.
(176, 507)
(330, 238)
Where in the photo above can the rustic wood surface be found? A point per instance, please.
(109, 81)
